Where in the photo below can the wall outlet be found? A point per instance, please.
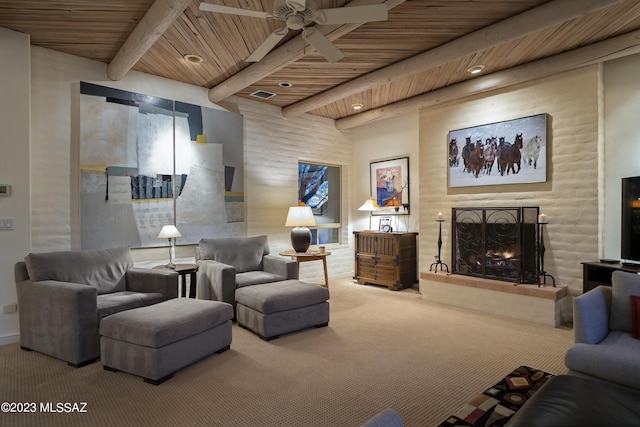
(9, 308)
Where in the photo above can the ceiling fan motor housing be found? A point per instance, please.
(290, 12)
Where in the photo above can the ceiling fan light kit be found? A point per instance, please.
(299, 15)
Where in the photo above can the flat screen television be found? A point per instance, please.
(630, 227)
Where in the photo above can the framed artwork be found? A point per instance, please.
(508, 152)
(146, 161)
(390, 186)
(385, 224)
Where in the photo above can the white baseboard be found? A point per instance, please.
(9, 339)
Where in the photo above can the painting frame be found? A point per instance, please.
(523, 140)
(389, 184)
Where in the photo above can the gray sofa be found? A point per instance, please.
(602, 325)
(228, 263)
(62, 296)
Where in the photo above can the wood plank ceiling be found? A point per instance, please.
(425, 47)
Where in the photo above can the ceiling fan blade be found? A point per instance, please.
(352, 15)
(209, 7)
(267, 45)
(322, 44)
(298, 5)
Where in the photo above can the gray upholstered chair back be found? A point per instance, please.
(103, 269)
(243, 253)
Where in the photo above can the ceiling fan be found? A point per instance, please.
(298, 15)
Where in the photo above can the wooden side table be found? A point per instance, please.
(310, 256)
(183, 270)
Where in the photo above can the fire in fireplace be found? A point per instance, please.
(496, 243)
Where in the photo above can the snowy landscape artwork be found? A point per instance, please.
(508, 152)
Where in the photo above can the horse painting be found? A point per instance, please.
(510, 155)
(504, 152)
(531, 150)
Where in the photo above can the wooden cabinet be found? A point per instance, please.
(387, 259)
(595, 274)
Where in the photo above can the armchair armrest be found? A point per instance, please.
(216, 281)
(279, 265)
(591, 315)
(146, 280)
(59, 319)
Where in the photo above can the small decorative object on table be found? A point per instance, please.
(385, 224)
(542, 220)
(440, 219)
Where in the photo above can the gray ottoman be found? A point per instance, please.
(272, 309)
(156, 341)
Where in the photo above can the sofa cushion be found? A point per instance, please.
(103, 269)
(623, 285)
(116, 302)
(243, 253)
(614, 359)
(258, 277)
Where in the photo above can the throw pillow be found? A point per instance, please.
(623, 285)
(635, 316)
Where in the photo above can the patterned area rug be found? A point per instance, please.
(496, 405)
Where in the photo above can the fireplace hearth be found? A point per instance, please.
(496, 243)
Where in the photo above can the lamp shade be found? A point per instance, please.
(168, 232)
(370, 205)
(300, 216)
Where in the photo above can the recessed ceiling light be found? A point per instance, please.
(357, 106)
(194, 59)
(285, 84)
(475, 69)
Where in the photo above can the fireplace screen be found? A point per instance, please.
(496, 243)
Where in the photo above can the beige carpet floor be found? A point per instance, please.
(381, 349)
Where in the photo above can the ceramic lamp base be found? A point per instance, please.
(300, 239)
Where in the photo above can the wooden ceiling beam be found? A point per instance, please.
(536, 19)
(155, 22)
(284, 55)
(616, 47)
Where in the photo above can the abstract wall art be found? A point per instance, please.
(146, 161)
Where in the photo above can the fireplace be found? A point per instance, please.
(496, 243)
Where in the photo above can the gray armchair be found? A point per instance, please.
(228, 263)
(62, 296)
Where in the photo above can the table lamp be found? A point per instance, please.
(300, 217)
(370, 205)
(169, 232)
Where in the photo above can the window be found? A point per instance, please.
(319, 187)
